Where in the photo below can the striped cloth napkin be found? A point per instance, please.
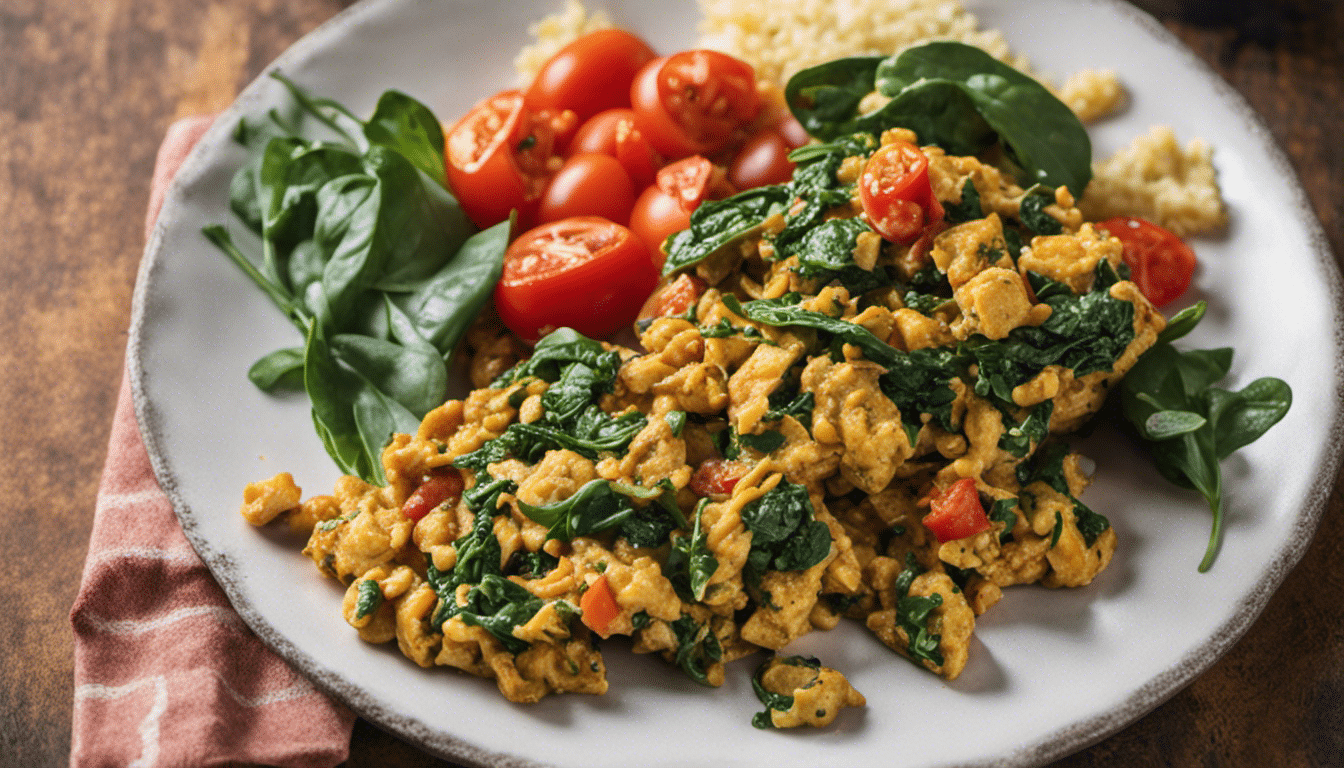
(166, 673)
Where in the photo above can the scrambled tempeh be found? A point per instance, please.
(766, 464)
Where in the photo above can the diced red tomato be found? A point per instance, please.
(957, 512)
(591, 74)
(584, 272)
(501, 155)
(441, 486)
(694, 102)
(674, 298)
(1160, 263)
(762, 160)
(588, 185)
(896, 194)
(717, 477)
(598, 606)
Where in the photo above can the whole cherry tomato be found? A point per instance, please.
(656, 217)
(1160, 263)
(694, 102)
(613, 132)
(501, 155)
(585, 272)
(896, 194)
(762, 160)
(598, 133)
(588, 185)
(591, 74)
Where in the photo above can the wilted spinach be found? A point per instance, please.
(781, 702)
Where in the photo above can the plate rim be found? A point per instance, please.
(1053, 745)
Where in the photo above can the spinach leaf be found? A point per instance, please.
(358, 244)
(697, 648)
(690, 564)
(718, 223)
(785, 534)
(826, 252)
(784, 402)
(968, 208)
(1032, 211)
(765, 442)
(912, 615)
(557, 349)
(1018, 438)
(498, 605)
(1189, 425)
(370, 597)
(594, 508)
(777, 701)
(1003, 511)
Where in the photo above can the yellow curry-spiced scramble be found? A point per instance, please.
(822, 424)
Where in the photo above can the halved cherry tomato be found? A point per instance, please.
(717, 477)
(1160, 262)
(639, 157)
(763, 159)
(598, 606)
(584, 272)
(673, 298)
(694, 102)
(957, 512)
(588, 185)
(591, 74)
(693, 180)
(656, 217)
(441, 485)
(500, 156)
(896, 194)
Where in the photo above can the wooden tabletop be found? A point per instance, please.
(86, 91)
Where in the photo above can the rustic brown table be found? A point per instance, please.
(86, 90)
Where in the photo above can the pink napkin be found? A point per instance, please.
(166, 673)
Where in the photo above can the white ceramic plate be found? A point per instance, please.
(1050, 671)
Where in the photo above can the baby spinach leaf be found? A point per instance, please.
(448, 302)
(1189, 425)
(777, 701)
(562, 346)
(409, 128)
(281, 369)
(826, 253)
(968, 208)
(825, 98)
(912, 615)
(785, 534)
(717, 223)
(1032, 213)
(594, 508)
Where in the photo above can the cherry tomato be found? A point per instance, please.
(597, 606)
(656, 217)
(896, 194)
(441, 485)
(1160, 263)
(640, 159)
(693, 180)
(588, 185)
(598, 133)
(694, 102)
(591, 74)
(957, 512)
(673, 298)
(585, 272)
(717, 477)
(500, 156)
(762, 160)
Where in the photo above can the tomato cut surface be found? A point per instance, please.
(591, 74)
(673, 298)
(441, 486)
(717, 477)
(501, 154)
(957, 512)
(896, 194)
(694, 102)
(584, 272)
(1160, 262)
(693, 180)
(598, 606)
(588, 185)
